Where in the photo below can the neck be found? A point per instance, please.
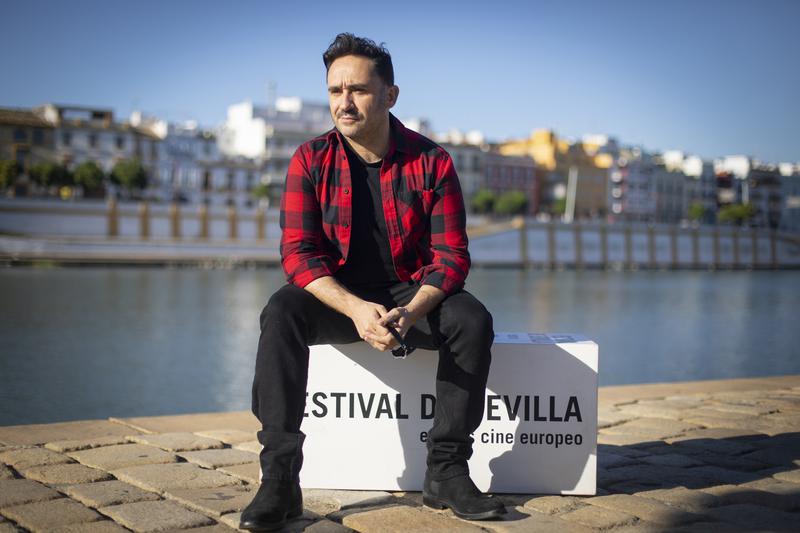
(373, 147)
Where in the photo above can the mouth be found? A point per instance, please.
(348, 118)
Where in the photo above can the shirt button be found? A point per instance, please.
(347, 191)
(346, 225)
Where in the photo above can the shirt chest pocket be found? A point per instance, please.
(414, 209)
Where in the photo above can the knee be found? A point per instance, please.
(285, 303)
(474, 320)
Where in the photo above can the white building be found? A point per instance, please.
(790, 185)
(91, 134)
(270, 134)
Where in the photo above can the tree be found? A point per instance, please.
(260, 191)
(49, 173)
(511, 203)
(559, 206)
(129, 173)
(483, 201)
(736, 213)
(90, 176)
(696, 211)
(8, 172)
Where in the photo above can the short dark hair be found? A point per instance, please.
(347, 44)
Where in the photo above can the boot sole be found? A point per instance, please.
(434, 503)
(275, 525)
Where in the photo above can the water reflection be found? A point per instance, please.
(96, 342)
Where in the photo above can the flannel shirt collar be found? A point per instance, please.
(398, 141)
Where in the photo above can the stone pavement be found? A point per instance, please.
(696, 456)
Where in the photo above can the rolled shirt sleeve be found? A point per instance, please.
(448, 239)
(303, 251)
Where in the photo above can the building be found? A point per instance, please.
(480, 167)
(589, 161)
(790, 193)
(505, 173)
(632, 195)
(91, 134)
(743, 180)
(469, 161)
(269, 135)
(700, 188)
(25, 137)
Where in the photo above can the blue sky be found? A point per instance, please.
(708, 77)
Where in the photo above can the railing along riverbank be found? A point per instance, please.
(165, 233)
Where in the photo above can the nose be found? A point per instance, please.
(347, 100)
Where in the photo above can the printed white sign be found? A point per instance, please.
(368, 414)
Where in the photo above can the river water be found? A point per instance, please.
(82, 343)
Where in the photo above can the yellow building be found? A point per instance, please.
(592, 157)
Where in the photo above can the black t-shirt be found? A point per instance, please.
(369, 260)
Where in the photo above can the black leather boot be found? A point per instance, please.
(275, 502)
(279, 497)
(462, 496)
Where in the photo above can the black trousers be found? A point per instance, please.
(460, 328)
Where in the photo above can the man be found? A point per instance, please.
(373, 239)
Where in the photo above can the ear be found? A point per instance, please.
(391, 96)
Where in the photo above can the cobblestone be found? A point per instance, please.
(659, 469)
(218, 458)
(124, 455)
(599, 517)
(65, 474)
(179, 442)
(160, 478)
(214, 501)
(106, 493)
(792, 476)
(21, 491)
(401, 519)
(756, 516)
(553, 504)
(84, 444)
(48, 515)
(103, 526)
(645, 509)
(324, 501)
(36, 434)
(693, 501)
(252, 446)
(23, 458)
(228, 436)
(145, 517)
(247, 472)
(733, 494)
(523, 520)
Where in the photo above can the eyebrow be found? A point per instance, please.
(352, 87)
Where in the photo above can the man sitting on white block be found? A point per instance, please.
(374, 247)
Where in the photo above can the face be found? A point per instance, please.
(359, 99)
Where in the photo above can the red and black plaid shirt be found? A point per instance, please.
(422, 205)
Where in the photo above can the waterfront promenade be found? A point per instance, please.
(693, 456)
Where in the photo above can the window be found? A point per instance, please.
(476, 163)
(92, 140)
(66, 138)
(20, 135)
(230, 180)
(38, 137)
(120, 142)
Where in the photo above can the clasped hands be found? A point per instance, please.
(373, 320)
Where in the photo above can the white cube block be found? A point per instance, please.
(368, 414)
